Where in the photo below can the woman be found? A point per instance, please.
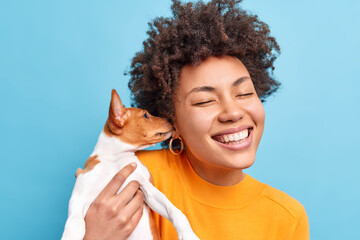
(207, 69)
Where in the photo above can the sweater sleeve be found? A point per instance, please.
(301, 231)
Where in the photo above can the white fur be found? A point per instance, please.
(114, 155)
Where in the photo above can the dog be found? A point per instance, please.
(126, 131)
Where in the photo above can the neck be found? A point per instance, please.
(112, 148)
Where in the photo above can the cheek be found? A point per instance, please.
(257, 113)
(193, 123)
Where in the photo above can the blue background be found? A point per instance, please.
(59, 61)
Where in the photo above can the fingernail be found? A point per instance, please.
(133, 164)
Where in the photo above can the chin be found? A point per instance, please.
(240, 164)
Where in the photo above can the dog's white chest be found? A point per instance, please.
(90, 183)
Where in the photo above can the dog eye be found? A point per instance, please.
(146, 115)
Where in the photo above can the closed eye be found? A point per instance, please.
(244, 95)
(202, 103)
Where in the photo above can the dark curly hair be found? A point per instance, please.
(195, 32)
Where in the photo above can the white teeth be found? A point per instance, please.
(236, 137)
(233, 138)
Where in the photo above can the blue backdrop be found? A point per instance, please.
(59, 61)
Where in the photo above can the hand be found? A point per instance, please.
(112, 215)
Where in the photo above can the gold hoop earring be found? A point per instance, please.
(172, 149)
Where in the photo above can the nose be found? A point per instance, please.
(231, 111)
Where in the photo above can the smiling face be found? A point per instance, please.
(219, 117)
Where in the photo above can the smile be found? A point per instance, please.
(233, 138)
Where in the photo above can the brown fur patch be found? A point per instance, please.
(89, 165)
(141, 131)
(107, 130)
(154, 230)
(138, 130)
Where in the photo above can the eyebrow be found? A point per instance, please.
(240, 80)
(212, 89)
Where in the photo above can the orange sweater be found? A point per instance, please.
(249, 210)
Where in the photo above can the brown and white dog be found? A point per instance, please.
(126, 131)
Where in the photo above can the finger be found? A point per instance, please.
(135, 219)
(115, 183)
(135, 203)
(129, 222)
(127, 194)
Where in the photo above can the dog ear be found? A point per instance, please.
(117, 113)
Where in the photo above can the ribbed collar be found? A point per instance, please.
(225, 197)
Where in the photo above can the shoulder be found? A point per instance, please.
(155, 160)
(290, 209)
(286, 212)
(163, 167)
(285, 203)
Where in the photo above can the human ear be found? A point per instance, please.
(175, 133)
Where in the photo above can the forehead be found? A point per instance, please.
(213, 71)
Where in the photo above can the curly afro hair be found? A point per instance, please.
(195, 32)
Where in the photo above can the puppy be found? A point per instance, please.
(126, 131)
